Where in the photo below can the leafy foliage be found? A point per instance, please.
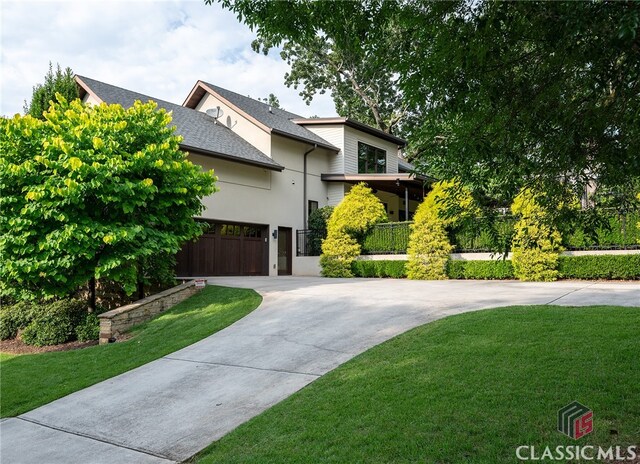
(351, 219)
(379, 268)
(429, 245)
(55, 323)
(318, 218)
(92, 191)
(89, 329)
(317, 224)
(536, 243)
(616, 267)
(481, 269)
(15, 317)
(61, 82)
(344, 48)
(503, 95)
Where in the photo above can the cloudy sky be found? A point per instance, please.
(159, 48)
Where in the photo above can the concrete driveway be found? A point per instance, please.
(169, 409)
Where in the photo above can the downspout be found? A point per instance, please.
(304, 186)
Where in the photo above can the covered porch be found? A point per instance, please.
(401, 193)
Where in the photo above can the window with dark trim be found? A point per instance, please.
(371, 160)
(312, 206)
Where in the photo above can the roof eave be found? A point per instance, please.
(304, 140)
(235, 159)
(85, 87)
(353, 124)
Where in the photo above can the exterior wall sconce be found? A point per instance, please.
(275, 233)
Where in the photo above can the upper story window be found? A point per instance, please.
(371, 160)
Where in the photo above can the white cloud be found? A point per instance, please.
(157, 48)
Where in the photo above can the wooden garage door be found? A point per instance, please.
(226, 249)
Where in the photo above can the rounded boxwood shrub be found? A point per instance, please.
(89, 329)
(55, 323)
(14, 318)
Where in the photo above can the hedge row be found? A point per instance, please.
(622, 232)
(610, 267)
(387, 268)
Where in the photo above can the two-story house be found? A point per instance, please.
(274, 167)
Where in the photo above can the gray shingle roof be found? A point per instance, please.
(199, 131)
(278, 120)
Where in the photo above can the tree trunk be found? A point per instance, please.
(140, 281)
(92, 294)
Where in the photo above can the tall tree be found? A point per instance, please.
(525, 93)
(506, 94)
(92, 192)
(60, 81)
(340, 47)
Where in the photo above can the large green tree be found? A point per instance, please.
(92, 192)
(506, 94)
(339, 47)
(525, 93)
(57, 81)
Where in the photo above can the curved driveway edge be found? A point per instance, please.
(173, 407)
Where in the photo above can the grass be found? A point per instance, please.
(29, 381)
(468, 388)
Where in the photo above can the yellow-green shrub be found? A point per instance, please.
(536, 243)
(429, 246)
(353, 217)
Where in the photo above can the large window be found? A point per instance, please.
(371, 160)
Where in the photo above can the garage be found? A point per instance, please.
(226, 249)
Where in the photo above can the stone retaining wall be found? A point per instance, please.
(117, 321)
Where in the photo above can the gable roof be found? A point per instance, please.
(199, 131)
(271, 120)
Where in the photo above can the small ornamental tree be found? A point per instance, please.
(92, 192)
(351, 219)
(536, 243)
(429, 247)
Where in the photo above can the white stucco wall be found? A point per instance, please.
(260, 196)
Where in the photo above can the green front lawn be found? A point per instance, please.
(29, 381)
(468, 388)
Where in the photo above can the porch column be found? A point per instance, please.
(406, 203)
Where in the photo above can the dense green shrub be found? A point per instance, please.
(536, 243)
(89, 329)
(317, 224)
(351, 219)
(429, 247)
(339, 250)
(613, 267)
(55, 323)
(623, 267)
(484, 269)
(14, 318)
(383, 268)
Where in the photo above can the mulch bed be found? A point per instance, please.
(16, 346)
